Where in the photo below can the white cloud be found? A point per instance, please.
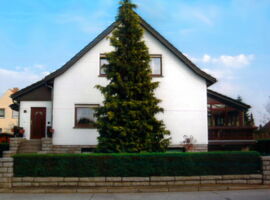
(226, 68)
(20, 76)
(237, 61)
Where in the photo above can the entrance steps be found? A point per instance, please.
(30, 146)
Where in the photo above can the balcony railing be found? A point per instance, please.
(230, 133)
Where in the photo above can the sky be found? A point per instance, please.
(229, 39)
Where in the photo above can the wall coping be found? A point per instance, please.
(265, 157)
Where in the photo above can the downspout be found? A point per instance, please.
(51, 87)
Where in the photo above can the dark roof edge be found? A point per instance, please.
(210, 80)
(27, 89)
(81, 53)
(67, 65)
(228, 99)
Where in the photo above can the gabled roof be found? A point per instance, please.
(266, 127)
(227, 100)
(209, 79)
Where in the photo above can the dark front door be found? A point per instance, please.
(38, 123)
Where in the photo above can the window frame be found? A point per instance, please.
(12, 114)
(4, 116)
(160, 57)
(76, 106)
(100, 66)
(151, 56)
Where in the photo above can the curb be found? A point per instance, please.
(143, 189)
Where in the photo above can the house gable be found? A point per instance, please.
(50, 78)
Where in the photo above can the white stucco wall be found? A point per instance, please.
(183, 95)
(25, 114)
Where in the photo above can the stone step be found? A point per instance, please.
(8, 154)
(30, 146)
(28, 151)
(30, 143)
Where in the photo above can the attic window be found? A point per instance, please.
(103, 61)
(155, 64)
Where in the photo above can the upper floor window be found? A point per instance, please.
(103, 61)
(84, 116)
(155, 64)
(2, 113)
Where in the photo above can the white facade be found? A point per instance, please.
(25, 114)
(183, 94)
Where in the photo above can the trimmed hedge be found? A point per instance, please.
(263, 146)
(3, 147)
(139, 165)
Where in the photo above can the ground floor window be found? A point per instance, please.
(84, 115)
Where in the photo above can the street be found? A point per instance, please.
(205, 195)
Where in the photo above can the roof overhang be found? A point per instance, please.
(227, 100)
(49, 78)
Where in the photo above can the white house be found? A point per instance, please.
(65, 99)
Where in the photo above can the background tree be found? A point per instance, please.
(126, 122)
(248, 116)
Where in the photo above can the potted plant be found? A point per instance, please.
(50, 131)
(18, 131)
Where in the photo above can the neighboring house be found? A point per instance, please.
(65, 100)
(263, 132)
(229, 129)
(8, 117)
(266, 128)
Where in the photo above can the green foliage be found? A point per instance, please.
(126, 122)
(3, 147)
(263, 146)
(136, 165)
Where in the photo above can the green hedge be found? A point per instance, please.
(130, 165)
(3, 147)
(263, 146)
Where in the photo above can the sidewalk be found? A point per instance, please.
(135, 189)
(262, 194)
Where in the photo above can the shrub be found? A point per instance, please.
(263, 146)
(130, 165)
(3, 147)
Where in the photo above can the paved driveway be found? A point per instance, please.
(213, 195)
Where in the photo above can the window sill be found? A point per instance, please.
(153, 76)
(76, 127)
(102, 75)
(156, 76)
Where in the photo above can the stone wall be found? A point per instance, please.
(266, 169)
(107, 184)
(13, 147)
(6, 172)
(48, 147)
(134, 181)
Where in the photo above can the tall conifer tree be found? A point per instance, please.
(126, 122)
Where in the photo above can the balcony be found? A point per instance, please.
(231, 133)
